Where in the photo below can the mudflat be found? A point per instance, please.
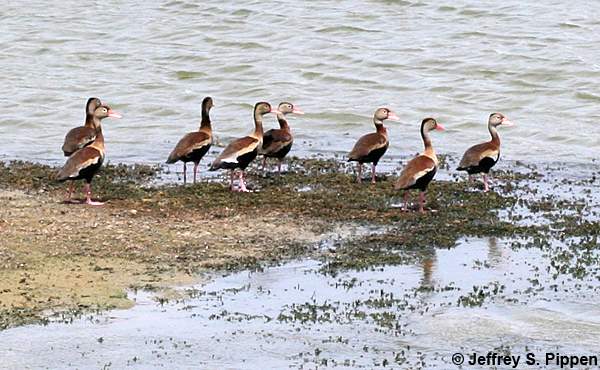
(61, 260)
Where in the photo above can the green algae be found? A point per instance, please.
(325, 191)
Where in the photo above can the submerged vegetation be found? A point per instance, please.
(71, 259)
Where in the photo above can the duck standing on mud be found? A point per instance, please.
(240, 152)
(81, 136)
(371, 147)
(84, 163)
(278, 142)
(420, 170)
(482, 157)
(194, 145)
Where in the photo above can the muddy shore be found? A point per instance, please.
(59, 260)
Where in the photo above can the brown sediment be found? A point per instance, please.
(74, 258)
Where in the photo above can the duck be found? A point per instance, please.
(482, 157)
(419, 171)
(84, 163)
(241, 152)
(82, 136)
(193, 146)
(371, 147)
(278, 142)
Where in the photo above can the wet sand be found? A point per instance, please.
(72, 257)
(59, 261)
(64, 258)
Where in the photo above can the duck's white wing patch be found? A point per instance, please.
(491, 153)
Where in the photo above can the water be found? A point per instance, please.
(459, 61)
(154, 61)
(294, 316)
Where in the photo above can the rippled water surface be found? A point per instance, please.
(155, 60)
(407, 316)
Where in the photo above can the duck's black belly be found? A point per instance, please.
(245, 159)
(89, 172)
(281, 152)
(242, 161)
(374, 155)
(485, 165)
(423, 182)
(197, 154)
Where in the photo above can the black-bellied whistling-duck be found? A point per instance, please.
(85, 162)
(482, 157)
(81, 136)
(194, 145)
(278, 142)
(371, 147)
(420, 170)
(240, 152)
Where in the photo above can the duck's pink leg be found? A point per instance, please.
(373, 175)
(405, 201)
(279, 165)
(422, 202)
(70, 191)
(486, 187)
(359, 178)
(242, 186)
(195, 170)
(231, 180)
(88, 196)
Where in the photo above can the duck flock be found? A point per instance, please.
(84, 147)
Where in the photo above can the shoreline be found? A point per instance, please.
(62, 259)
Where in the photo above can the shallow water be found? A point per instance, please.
(154, 61)
(293, 315)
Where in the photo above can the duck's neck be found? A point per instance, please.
(258, 127)
(428, 147)
(92, 121)
(379, 127)
(99, 141)
(205, 123)
(494, 133)
(283, 123)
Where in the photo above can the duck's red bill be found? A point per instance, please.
(113, 114)
(393, 117)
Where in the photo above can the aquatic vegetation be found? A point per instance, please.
(168, 229)
(479, 294)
